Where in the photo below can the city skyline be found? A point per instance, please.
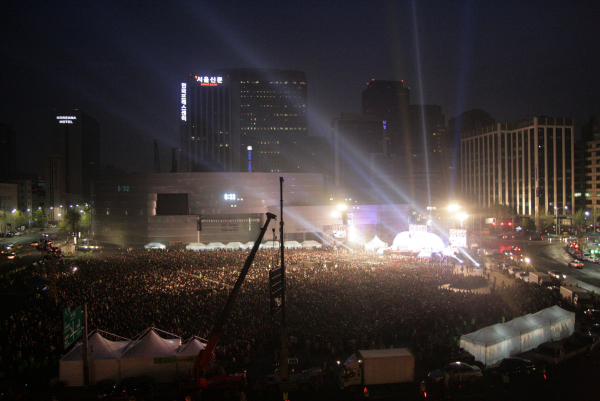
(123, 63)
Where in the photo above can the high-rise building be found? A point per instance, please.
(75, 158)
(7, 153)
(528, 165)
(389, 101)
(356, 139)
(251, 120)
(587, 168)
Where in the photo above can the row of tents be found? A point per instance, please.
(198, 246)
(148, 354)
(493, 343)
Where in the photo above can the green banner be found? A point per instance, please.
(72, 325)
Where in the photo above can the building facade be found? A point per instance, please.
(75, 158)
(244, 120)
(136, 209)
(528, 165)
(8, 153)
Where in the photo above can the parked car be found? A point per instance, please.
(511, 366)
(522, 276)
(593, 259)
(575, 263)
(455, 369)
(131, 388)
(535, 238)
(592, 315)
(557, 274)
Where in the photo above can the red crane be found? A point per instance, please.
(208, 374)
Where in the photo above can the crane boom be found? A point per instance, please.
(205, 356)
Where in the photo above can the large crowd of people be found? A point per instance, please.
(335, 302)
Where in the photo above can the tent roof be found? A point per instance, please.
(152, 345)
(270, 244)
(195, 245)
(158, 244)
(554, 313)
(310, 244)
(235, 245)
(191, 348)
(292, 244)
(102, 349)
(527, 323)
(490, 335)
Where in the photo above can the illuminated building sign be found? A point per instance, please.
(249, 159)
(66, 119)
(384, 124)
(209, 81)
(183, 101)
(229, 197)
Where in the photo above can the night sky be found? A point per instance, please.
(122, 61)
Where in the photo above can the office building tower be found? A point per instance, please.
(7, 153)
(75, 157)
(357, 139)
(528, 165)
(250, 120)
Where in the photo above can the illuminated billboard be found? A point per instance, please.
(339, 231)
(457, 238)
(209, 81)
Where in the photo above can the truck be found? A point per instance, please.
(555, 352)
(541, 279)
(377, 367)
(576, 296)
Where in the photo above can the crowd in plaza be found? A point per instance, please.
(336, 302)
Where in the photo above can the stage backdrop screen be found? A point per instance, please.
(171, 204)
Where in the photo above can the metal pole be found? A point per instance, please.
(86, 366)
(284, 354)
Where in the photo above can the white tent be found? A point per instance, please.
(155, 245)
(374, 244)
(186, 356)
(196, 247)
(235, 245)
(249, 244)
(152, 356)
(534, 331)
(214, 245)
(270, 245)
(311, 244)
(103, 358)
(492, 343)
(292, 245)
(562, 322)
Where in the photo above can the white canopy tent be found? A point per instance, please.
(492, 343)
(292, 245)
(249, 244)
(196, 247)
(214, 246)
(311, 244)
(562, 322)
(103, 358)
(534, 331)
(155, 245)
(187, 355)
(269, 245)
(235, 245)
(151, 356)
(375, 244)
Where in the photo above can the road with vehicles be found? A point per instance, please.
(547, 256)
